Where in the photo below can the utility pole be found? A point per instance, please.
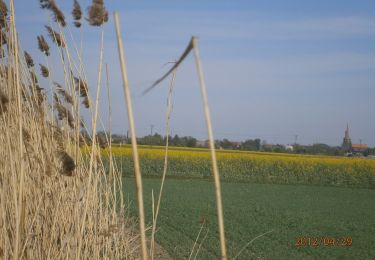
(295, 139)
(151, 128)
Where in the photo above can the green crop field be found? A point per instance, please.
(286, 211)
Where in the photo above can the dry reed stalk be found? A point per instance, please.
(165, 167)
(250, 242)
(193, 45)
(196, 240)
(215, 169)
(137, 170)
(200, 244)
(20, 198)
(93, 150)
(109, 121)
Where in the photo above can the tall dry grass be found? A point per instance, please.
(54, 202)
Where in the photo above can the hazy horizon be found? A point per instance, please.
(273, 70)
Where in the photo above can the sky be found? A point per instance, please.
(274, 70)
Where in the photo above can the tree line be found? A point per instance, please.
(246, 145)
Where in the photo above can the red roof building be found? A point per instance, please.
(359, 147)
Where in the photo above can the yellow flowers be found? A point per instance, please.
(253, 166)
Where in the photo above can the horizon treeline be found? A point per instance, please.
(246, 145)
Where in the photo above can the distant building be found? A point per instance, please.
(350, 148)
(347, 142)
(359, 148)
(289, 148)
(236, 145)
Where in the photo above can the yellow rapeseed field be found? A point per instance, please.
(252, 166)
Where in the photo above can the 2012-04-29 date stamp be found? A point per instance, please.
(323, 241)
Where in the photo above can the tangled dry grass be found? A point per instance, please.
(45, 181)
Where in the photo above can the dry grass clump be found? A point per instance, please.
(44, 178)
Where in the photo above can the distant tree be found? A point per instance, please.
(155, 139)
(226, 144)
(191, 141)
(176, 141)
(278, 148)
(251, 145)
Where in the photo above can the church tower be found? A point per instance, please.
(347, 143)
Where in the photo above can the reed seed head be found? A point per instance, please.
(86, 102)
(56, 98)
(77, 14)
(64, 113)
(26, 135)
(82, 87)
(67, 165)
(34, 78)
(55, 36)
(43, 45)
(77, 24)
(3, 38)
(3, 102)
(97, 13)
(61, 110)
(68, 98)
(44, 71)
(58, 15)
(3, 14)
(29, 60)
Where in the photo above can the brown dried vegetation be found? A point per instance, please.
(45, 181)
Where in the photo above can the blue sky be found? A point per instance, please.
(274, 69)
